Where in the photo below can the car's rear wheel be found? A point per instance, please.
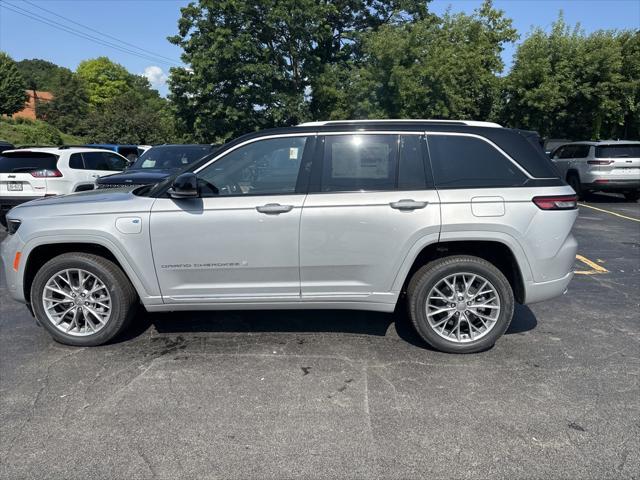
(460, 304)
(82, 299)
(632, 196)
(574, 181)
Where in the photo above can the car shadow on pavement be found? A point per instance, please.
(296, 321)
(601, 197)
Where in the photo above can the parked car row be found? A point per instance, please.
(608, 166)
(36, 172)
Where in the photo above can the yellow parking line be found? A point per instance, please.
(633, 219)
(595, 268)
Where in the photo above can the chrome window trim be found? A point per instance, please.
(376, 132)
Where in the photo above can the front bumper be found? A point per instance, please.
(8, 248)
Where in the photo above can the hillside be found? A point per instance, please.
(34, 132)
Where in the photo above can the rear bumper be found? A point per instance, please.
(541, 291)
(613, 185)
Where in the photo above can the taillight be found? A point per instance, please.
(46, 173)
(600, 162)
(564, 202)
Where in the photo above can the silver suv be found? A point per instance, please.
(612, 166)
(458, 219)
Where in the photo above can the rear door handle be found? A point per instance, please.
(274, 208)
(408, 205)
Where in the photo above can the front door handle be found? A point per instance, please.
(406, 204)
(274, 208)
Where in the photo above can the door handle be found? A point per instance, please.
(95, 175)
(274, 208)
(406, 204)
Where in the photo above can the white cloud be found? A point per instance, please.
(155, 75)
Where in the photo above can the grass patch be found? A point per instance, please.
(22, 131)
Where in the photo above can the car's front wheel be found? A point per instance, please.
(460, 304)
(82, 299)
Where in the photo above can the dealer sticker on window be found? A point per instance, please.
(293, 153)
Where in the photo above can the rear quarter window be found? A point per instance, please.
(618, 151)
(460, 161)
(21, 162)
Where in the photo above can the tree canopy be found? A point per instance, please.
(572, 85)
(256, 63)
(40, 74)
(12, 86)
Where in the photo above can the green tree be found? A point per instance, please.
(255, 64)
(12, 86)
(40, 74)
(430, 68)
(130, 118)
(70, 105)
(104, 79)
(571, 85)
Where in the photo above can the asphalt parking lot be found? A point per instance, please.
(339, 394)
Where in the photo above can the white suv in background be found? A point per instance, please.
(31, 173)
(608, 166)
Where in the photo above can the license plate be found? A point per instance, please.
(15, 187)
(628, 171)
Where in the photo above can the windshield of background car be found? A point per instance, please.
(17, 162)
(171, 157)
(618, 151)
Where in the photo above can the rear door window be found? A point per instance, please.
(359, 162)
(103, 161)
(618, 151)
(580, 151)
(412, 171)
(461, 161)
(24, 162)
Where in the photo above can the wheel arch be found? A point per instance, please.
(494, 251)
(44, 251)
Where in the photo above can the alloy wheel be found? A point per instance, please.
(77, 302)
(463, 307)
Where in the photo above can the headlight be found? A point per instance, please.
(13, 226)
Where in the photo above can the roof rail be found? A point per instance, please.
(471, 123)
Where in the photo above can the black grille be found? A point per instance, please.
(118, 185)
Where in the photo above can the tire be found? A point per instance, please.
(111, 282)
(431, 275)
(3, 219)
(632, 196)
(574, 181)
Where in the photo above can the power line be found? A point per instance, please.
(44, 20)
(98, 32)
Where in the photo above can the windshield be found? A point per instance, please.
(17, 162)
(618, 151)
(171, 157)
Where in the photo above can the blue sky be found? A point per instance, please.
(147, 23)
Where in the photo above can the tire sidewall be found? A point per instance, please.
(118, 314)
(436, 274)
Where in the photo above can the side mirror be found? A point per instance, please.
(185, 186)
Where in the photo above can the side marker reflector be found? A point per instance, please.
(16, 261)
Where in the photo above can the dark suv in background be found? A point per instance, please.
(156, 164)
